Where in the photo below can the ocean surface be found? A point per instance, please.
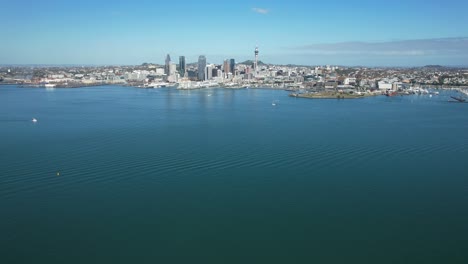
(125, 175)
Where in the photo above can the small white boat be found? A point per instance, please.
(34, 120)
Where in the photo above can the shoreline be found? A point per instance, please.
(318, 95)
(336, 96)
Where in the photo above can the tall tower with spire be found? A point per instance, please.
(256, 61)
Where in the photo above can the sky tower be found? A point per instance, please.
(256, 61)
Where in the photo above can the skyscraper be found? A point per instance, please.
(214, 72)
(209, 72)
(232, 66)
(182, 66)
(201, 67)
(173, 69)
(167, 65)
(226, 68)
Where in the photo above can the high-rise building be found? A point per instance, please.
(182, 66)
(226, 68)
(167, 65)
(201, 67)
(256, 62)
(173, 69)
(209, 72)
(247, 73)
(214, 72)
(232, 66)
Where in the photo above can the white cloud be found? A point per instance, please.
(262, 11)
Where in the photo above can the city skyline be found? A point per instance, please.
(410, 33)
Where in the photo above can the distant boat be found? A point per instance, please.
(459, 99)
(274, 103)
(34, 120)
(388, 93)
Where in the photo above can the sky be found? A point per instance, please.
(332, 32)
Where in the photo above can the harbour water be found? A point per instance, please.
(127, 175)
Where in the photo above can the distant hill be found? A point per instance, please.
(251, 63)
(441, 67)
(433, 66)
(298, 65)
(247, 62)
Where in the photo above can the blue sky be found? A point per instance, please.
(371, 33)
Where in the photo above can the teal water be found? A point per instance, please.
(222, 176)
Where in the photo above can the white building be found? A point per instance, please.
(397, 86)
(137, 75)
(160, 71)
(383, 85)
(350, 81)
(209, 72)
(172, 69)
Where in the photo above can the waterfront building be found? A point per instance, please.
(232, 66)
(384, 85)
(226, 68)
(350, 81)
(331, 84)
(247, 73)
(192, 74)
(214, 72)
(397, 86)
(182, 66)
(209, 72)
(136, 75)
(201, 67)
(167, 65)
(173, 73)
(172, 68)
(160, 71)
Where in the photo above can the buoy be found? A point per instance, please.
(58, 173)
(34, 120)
